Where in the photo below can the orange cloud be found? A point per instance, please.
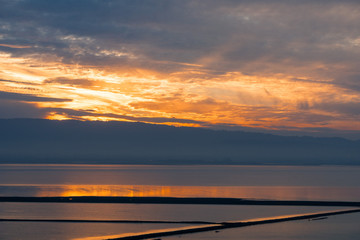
(200, 98)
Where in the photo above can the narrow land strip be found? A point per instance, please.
(233, 224)
(174, 200)
(101, 221)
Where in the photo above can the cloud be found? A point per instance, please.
(345, 108)
(13, 46)
(247, 62)
(176, 105)
(71, 82)
(18, 82)
(29, 97)
(81, 113)
(12, 109)
(245, 36)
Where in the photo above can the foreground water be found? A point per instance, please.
(265, 182)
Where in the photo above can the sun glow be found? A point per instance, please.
(99, 93)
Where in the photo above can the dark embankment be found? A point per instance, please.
(170, 200)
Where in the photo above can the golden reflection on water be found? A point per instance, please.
(250, 192)
(148, 191)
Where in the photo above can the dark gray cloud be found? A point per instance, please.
(20, 82)
(346, 108)
(12, 109)
(71, 82)
(247, 36)
(29, 97)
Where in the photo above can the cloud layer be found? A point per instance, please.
(265, 64)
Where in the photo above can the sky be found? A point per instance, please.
(272, 66)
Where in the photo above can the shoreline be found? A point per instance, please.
(226, 225)
(176, 200)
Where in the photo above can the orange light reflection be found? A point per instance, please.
(246, 192)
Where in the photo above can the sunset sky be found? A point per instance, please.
(246, 64)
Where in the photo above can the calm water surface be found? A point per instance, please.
(258, 182)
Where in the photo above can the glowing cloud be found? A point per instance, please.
(232, 64)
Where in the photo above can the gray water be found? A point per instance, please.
(258, 182)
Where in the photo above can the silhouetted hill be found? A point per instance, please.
(47, 141)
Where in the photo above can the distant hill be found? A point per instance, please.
(48, 141)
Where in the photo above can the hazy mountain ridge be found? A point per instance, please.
(47, 141)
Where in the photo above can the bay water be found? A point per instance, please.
(334, 183)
